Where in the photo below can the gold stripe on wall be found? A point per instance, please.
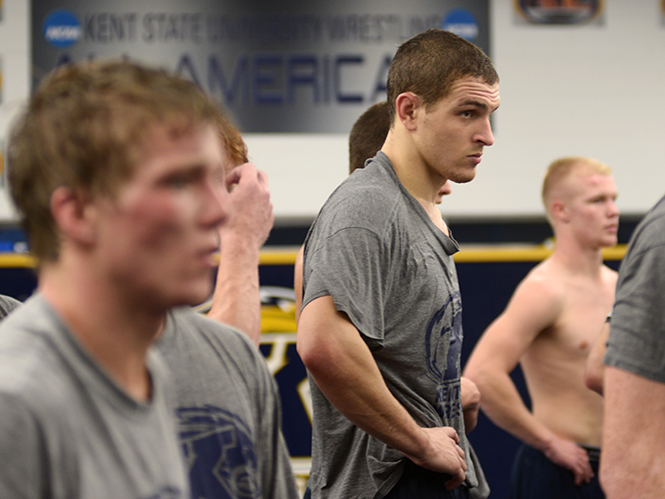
(471, 254)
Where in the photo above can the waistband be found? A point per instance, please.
(593, 452)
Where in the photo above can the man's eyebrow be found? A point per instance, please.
(475, 103)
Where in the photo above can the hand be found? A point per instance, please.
(443, 455)
(251, 210)
(571, 456)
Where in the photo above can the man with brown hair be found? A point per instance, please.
(549, 327)
(118, 172)
(380, 330)
(236, 300)
(227, 404)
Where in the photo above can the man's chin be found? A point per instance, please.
(463, 177)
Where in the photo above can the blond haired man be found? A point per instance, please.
(549, 327)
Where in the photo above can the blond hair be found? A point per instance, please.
(562, 169)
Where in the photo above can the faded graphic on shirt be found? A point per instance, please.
(219, 453)
(444, 338)
(167, 492)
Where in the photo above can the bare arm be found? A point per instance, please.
(236, 298)
(470, 403)
(593, 375)
(297, 281)
(534, 306)
(633, 463)
(343, 368)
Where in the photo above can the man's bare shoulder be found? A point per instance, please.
(609, 275)
(535, 306)
(543, 285)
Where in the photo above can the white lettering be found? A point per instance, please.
(62, 33)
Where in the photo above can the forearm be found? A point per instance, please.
(470, 403)
(502, 403)
(236, 300)
(633, 463)
(344, 369)
(354, 385)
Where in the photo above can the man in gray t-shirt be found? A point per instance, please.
(117, 170)
(633, 463)
(380, 330)
(7, 304)
(228, 411)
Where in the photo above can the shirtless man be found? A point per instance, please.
(549, 327)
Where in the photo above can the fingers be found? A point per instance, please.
(451, 433)
(244, 171)
(461, 455)
(456, 481)
(583, 471)
(232, 178)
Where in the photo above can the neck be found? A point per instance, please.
(577, 257)
(116, 333)
(415, 176)
(411, 169)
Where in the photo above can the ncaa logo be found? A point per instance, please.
(62, 28)
(462, 23)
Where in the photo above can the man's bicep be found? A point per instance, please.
(321, 330)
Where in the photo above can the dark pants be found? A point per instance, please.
(536, 477)
(419, 483)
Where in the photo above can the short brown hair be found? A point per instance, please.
(562, 168)
(368, 134)
(233, 143)
(429, 63)
(83, 128)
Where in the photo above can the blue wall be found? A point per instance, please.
(486, 287)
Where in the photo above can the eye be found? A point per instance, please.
(466, 114)
(178, 182)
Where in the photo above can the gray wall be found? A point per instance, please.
(591, 89)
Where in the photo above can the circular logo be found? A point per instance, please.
(62, 28)
(462, 23)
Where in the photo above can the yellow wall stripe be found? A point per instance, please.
(471, 253)
(485, 253)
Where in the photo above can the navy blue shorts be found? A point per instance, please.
(536, 477)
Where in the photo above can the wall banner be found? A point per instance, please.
(560, 11)
(282, 66)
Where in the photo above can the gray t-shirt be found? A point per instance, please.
(7, 304)
(67, 431)
(376, 252)
(637, 329)
(228, 411)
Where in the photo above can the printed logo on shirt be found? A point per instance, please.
(167, 493)
(219, 452)
(444, 338)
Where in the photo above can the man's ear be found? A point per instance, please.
(73, 214)
(560, 212)
(407, 106)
